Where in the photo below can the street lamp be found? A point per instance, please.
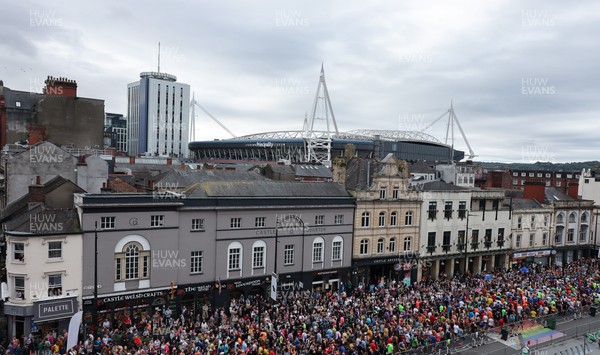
(95, 308)
(468, 213)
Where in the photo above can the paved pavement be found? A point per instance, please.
(568, 338)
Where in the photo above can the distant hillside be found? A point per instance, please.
(575, 166)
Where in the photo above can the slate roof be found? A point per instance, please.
(439, 185)
(267, 188)
(41, 220)
(320, 171)
(525, 204)
(552, 194)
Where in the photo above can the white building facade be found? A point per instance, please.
(158, 116)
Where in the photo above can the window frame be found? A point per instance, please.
(50, 250)
(197, 262)
(157, 220)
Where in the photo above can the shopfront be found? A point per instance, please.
(370, 271)
(528, 258)
(53, 315)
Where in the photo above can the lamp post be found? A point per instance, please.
(95, 308)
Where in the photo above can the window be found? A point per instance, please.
(54, 285)
(132, 262)
(198, 224)
(107, 222)
(382, 219)
(545, 221)
(515, 181)
(432, 210)
(380, 245)
(547, 183)
(558, 184)
(487, 238)
(544, 239)
(394, 219)
(558, 236)
(515, 173)
(338, 219)
(258, 254)
(18, 103)
(462, 209)
(19, 252)
(408, 218)
(383, 193)
(317, 250)
(259, 222)
(407, 243)
(523, 174)
(234, 254)
(235, 223)
(570, 235)
(531, 236)
(584, 218)
(365, 219)
(518, 241)
(448, 210)
(519, 222)
(319, 220)
(364, 247)
(569, 176)
(19, 282)
(336, 249)
(392, 245)
(532, 222)
(461, 240)
(475, 239)
(157, 220)
(54, 250)
(560, 218)
(583, 233)
(548, 175)
(558, 176)
(482, 205)
(446, 240)
(288, 254)
(539, 175)
(395, 192)
(531, 174)
(431, 242)
(572, 217)
(196, 262)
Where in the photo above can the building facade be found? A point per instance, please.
(224, 240)
(530, 233)
(158, 109)
(115, 132)
(386, 233)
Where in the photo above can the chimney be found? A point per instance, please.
(535, 190)
(169, 161)
(60, 87)
(36, 134)
(573, 190)
(36, 191)
(131, 160)
(182, 166)
(151, 184)
(106, 188)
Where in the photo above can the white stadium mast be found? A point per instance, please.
(195, 103)
(318, 142)
(450, 130)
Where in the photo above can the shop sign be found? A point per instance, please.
(199, 288)
(54, 309)
(534, 254)
(255, 282)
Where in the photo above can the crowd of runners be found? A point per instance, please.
(387, 318)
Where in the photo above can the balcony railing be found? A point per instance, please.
(474, 245)
(461, 247)
(446, 247)
(488, 244)
(500, 243)
(431, 249)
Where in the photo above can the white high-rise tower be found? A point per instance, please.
(158, 109)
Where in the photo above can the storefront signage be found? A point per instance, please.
(327, 272)
(247, 283)
(133, 296)
(200, 288)
(534, 254)
(54, 309)
(390, 260)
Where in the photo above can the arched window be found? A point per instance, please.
(259, 254)
(337, 248)
(364, 247)
(392, 245)
(572, 217)
(407, 243)
(380, 245)
(560, 218)
(584, 218)
(365, 219)
(382, 219)
(317, 250)
(408, 218)
(393, 219)
(234, 257)
(132, 259)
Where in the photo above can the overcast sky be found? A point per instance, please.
(523, 75)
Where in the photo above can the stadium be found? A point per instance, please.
(320, 141)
